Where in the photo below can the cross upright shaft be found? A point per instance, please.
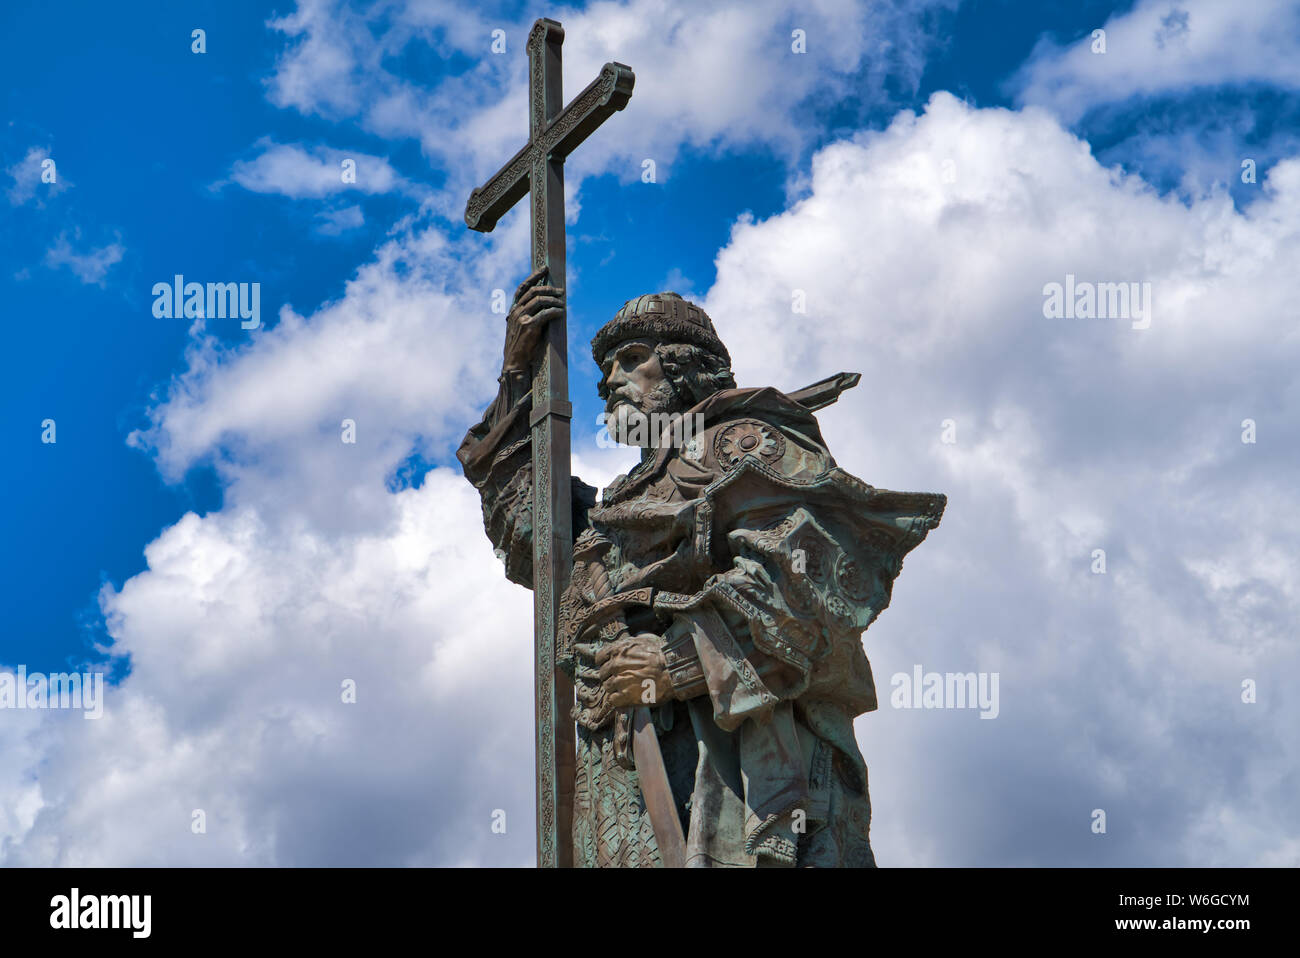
(538, 170)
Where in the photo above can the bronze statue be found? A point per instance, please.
(709, 610)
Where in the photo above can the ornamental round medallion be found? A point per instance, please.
(852, 577)
(837, 607)
(747, 437)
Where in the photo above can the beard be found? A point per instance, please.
(638, 421)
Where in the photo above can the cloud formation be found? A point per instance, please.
(1119, 691)
(722, 78)
(90, 265)
(921, 252)
(27, 175)
(1158, 48)
(292, 170)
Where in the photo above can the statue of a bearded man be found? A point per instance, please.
(727, 579)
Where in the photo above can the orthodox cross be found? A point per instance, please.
(537, 170)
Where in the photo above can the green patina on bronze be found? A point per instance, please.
(709, 610)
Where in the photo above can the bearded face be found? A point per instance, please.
(640, 399)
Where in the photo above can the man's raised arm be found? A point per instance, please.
(496, 454)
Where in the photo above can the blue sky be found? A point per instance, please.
(215, 446)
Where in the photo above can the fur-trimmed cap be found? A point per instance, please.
(663, 316)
